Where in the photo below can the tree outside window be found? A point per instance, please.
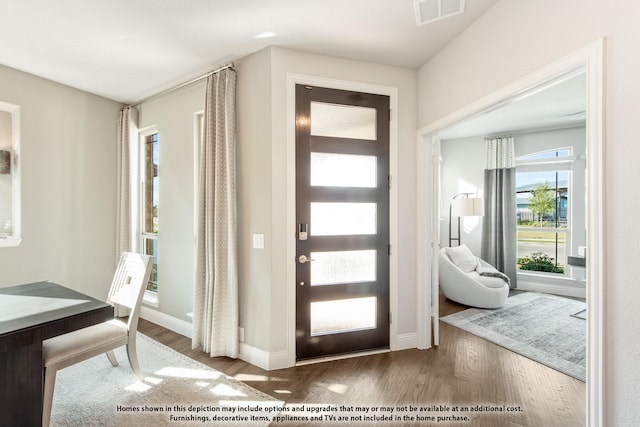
(542, 201)
(542, 209)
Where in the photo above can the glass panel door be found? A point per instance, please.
(341, 219)
(342, 209)
(343, 121)
(345, 315)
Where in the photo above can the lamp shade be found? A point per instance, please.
(467, 207)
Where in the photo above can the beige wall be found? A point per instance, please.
(516, 38)
(174, 118)
(255, 188)
(68, 185)
(262, 157)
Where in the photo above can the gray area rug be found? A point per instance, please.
(538, 326)
(176, 390)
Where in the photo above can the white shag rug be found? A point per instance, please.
(176, 391)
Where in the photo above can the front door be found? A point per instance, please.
(342, 214)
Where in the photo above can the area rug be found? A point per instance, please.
(176, 391)
(538, 326)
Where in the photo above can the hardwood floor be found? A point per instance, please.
(464, 370)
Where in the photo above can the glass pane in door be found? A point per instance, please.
(343, 121)
(343, 219)
(343, 170)
(329, 268)
(345, 315)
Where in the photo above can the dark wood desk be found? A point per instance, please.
(30, 314)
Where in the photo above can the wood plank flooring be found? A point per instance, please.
(464, 370)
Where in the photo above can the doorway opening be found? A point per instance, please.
(590, 59)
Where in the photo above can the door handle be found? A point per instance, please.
(302, 259)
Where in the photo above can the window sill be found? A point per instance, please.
(564, 286)
(9, 242)
(150, 298)
(549, 278)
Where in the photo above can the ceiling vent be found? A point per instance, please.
(434, 10)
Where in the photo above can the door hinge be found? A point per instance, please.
(390, 318)
(389, 114)
(389, 180)
(389, 249)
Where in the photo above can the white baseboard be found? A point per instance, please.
(179, 326)
(255, 356)
(406, 341)
(567, 291)
(279, 360)
(264, 359)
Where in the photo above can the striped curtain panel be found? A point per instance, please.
(215, 320)
(127, 132)
(499, 235)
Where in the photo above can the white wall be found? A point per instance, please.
(264, 294)
(174, 118)
(462, 171)
(68, 185)
(514, 39)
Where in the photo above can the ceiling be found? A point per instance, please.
(127, 50)
(560, 103)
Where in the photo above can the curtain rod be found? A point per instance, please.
(181, 85)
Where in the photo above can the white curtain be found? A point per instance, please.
(215, 322)
(499, 235)
(127, 132)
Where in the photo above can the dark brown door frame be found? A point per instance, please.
(306, 346)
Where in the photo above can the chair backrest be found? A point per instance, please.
(130, 282)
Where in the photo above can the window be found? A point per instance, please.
(149, 203)
(543, 186)
(9, 175)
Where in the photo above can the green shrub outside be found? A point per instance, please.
(539, 261)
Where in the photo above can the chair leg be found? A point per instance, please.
(47, 398)
(133, 359)
(112, 358)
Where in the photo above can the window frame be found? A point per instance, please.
(527, 164)
(142, 236)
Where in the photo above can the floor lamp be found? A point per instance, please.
(463, 205)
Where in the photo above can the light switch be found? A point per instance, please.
(258, 241)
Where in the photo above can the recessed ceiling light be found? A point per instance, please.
(265, 35)
(433, 10)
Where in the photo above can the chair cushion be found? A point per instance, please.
(462, 257)
(81, 341)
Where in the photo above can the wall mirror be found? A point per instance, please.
(10, 224)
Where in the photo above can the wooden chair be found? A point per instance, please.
(127, 290)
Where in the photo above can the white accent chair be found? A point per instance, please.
(461, 283)
(127, 290)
